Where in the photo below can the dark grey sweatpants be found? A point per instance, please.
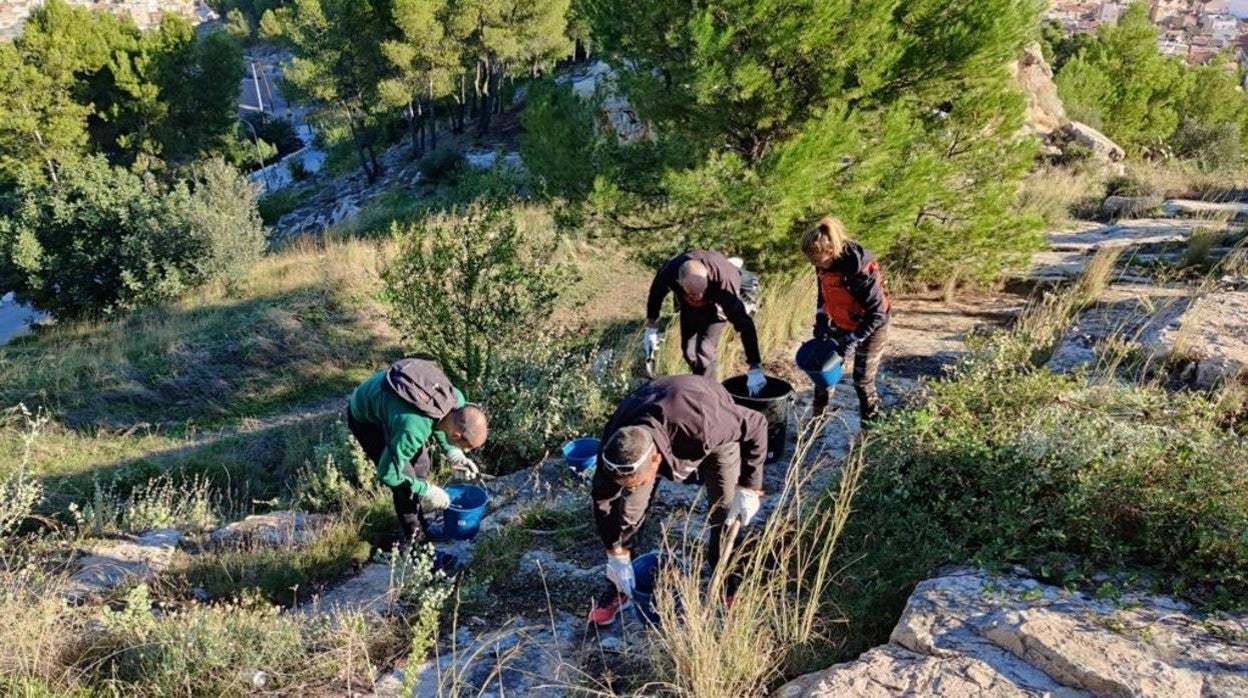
(719, 472)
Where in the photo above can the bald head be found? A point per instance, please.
(693, 278)
(466, 427)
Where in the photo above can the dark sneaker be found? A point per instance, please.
(608, 606)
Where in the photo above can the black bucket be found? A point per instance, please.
(773, 402)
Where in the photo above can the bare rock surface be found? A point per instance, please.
(1087, 657)
(972, 633)
(1210, 331)
(276, 528)
(1045, 112)
(1085, 136)
(110, 564)
(1232, 211)
(370, 591)
(891, 670)
(529, 657)
(1121, 313)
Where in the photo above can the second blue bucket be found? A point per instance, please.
(821, 361)
(646, 573)
(581, 454)
(462, 519)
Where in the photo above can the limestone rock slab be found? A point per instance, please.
(1089, 658)
(110, 564)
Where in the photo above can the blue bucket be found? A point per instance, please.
(462, 519)
(821, 361)
(581, 454)
(646, 576)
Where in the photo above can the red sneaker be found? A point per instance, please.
(608, 606)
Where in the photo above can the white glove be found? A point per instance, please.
(463, 465)
(620, 572)
(744, 506)
(755, 381)
(435, 498)
(650, 342)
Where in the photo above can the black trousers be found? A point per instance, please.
(372, 439)
(866, 357)
(700, 329)
(719, 472)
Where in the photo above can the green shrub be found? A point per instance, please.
(337, 474)
(225, 222)
(441, 165)
(1210, 146)
(1005, 463)
(104, 241)
(1129, 184)
(157, 503)
(465, 286)
(549, 392)
(275, 204)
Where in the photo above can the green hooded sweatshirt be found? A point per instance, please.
(406, 429)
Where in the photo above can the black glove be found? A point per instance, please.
(823, 328)
(845, 342)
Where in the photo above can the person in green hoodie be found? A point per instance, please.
(393, 414)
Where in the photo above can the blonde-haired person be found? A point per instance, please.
(853, 308)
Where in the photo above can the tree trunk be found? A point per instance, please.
(358, 138)
(433, 119)
(414, 129)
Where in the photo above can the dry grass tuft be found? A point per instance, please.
(780, 619)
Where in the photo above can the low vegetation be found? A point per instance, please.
(1006, 463)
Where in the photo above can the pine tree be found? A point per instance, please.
(338, 65)
(897, 116)
(427, 62)
(1122, 85)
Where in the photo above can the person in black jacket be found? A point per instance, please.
(673, 427)
(707, 287)
(853, 308)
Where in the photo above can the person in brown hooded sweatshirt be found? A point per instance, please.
(672, 427)
(853, 308)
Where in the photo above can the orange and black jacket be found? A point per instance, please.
(852, 292)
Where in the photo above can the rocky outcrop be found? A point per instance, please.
(1083, 135)
(1131, 206)
(1045, 112)
(276, 528)
(972, 634)
(135, 560)
(1209, 333)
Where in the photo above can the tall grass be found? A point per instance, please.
(780, 619)
(1060, 194)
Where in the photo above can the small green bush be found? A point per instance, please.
(1210, 146)
(552, 391)
(275, 204)
(103, 241)
(465, 286)
(1129, 184)
(441, 165)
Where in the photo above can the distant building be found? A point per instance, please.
(1161, 10)
(1110, 12)
(1224, 26)
(146, 13)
